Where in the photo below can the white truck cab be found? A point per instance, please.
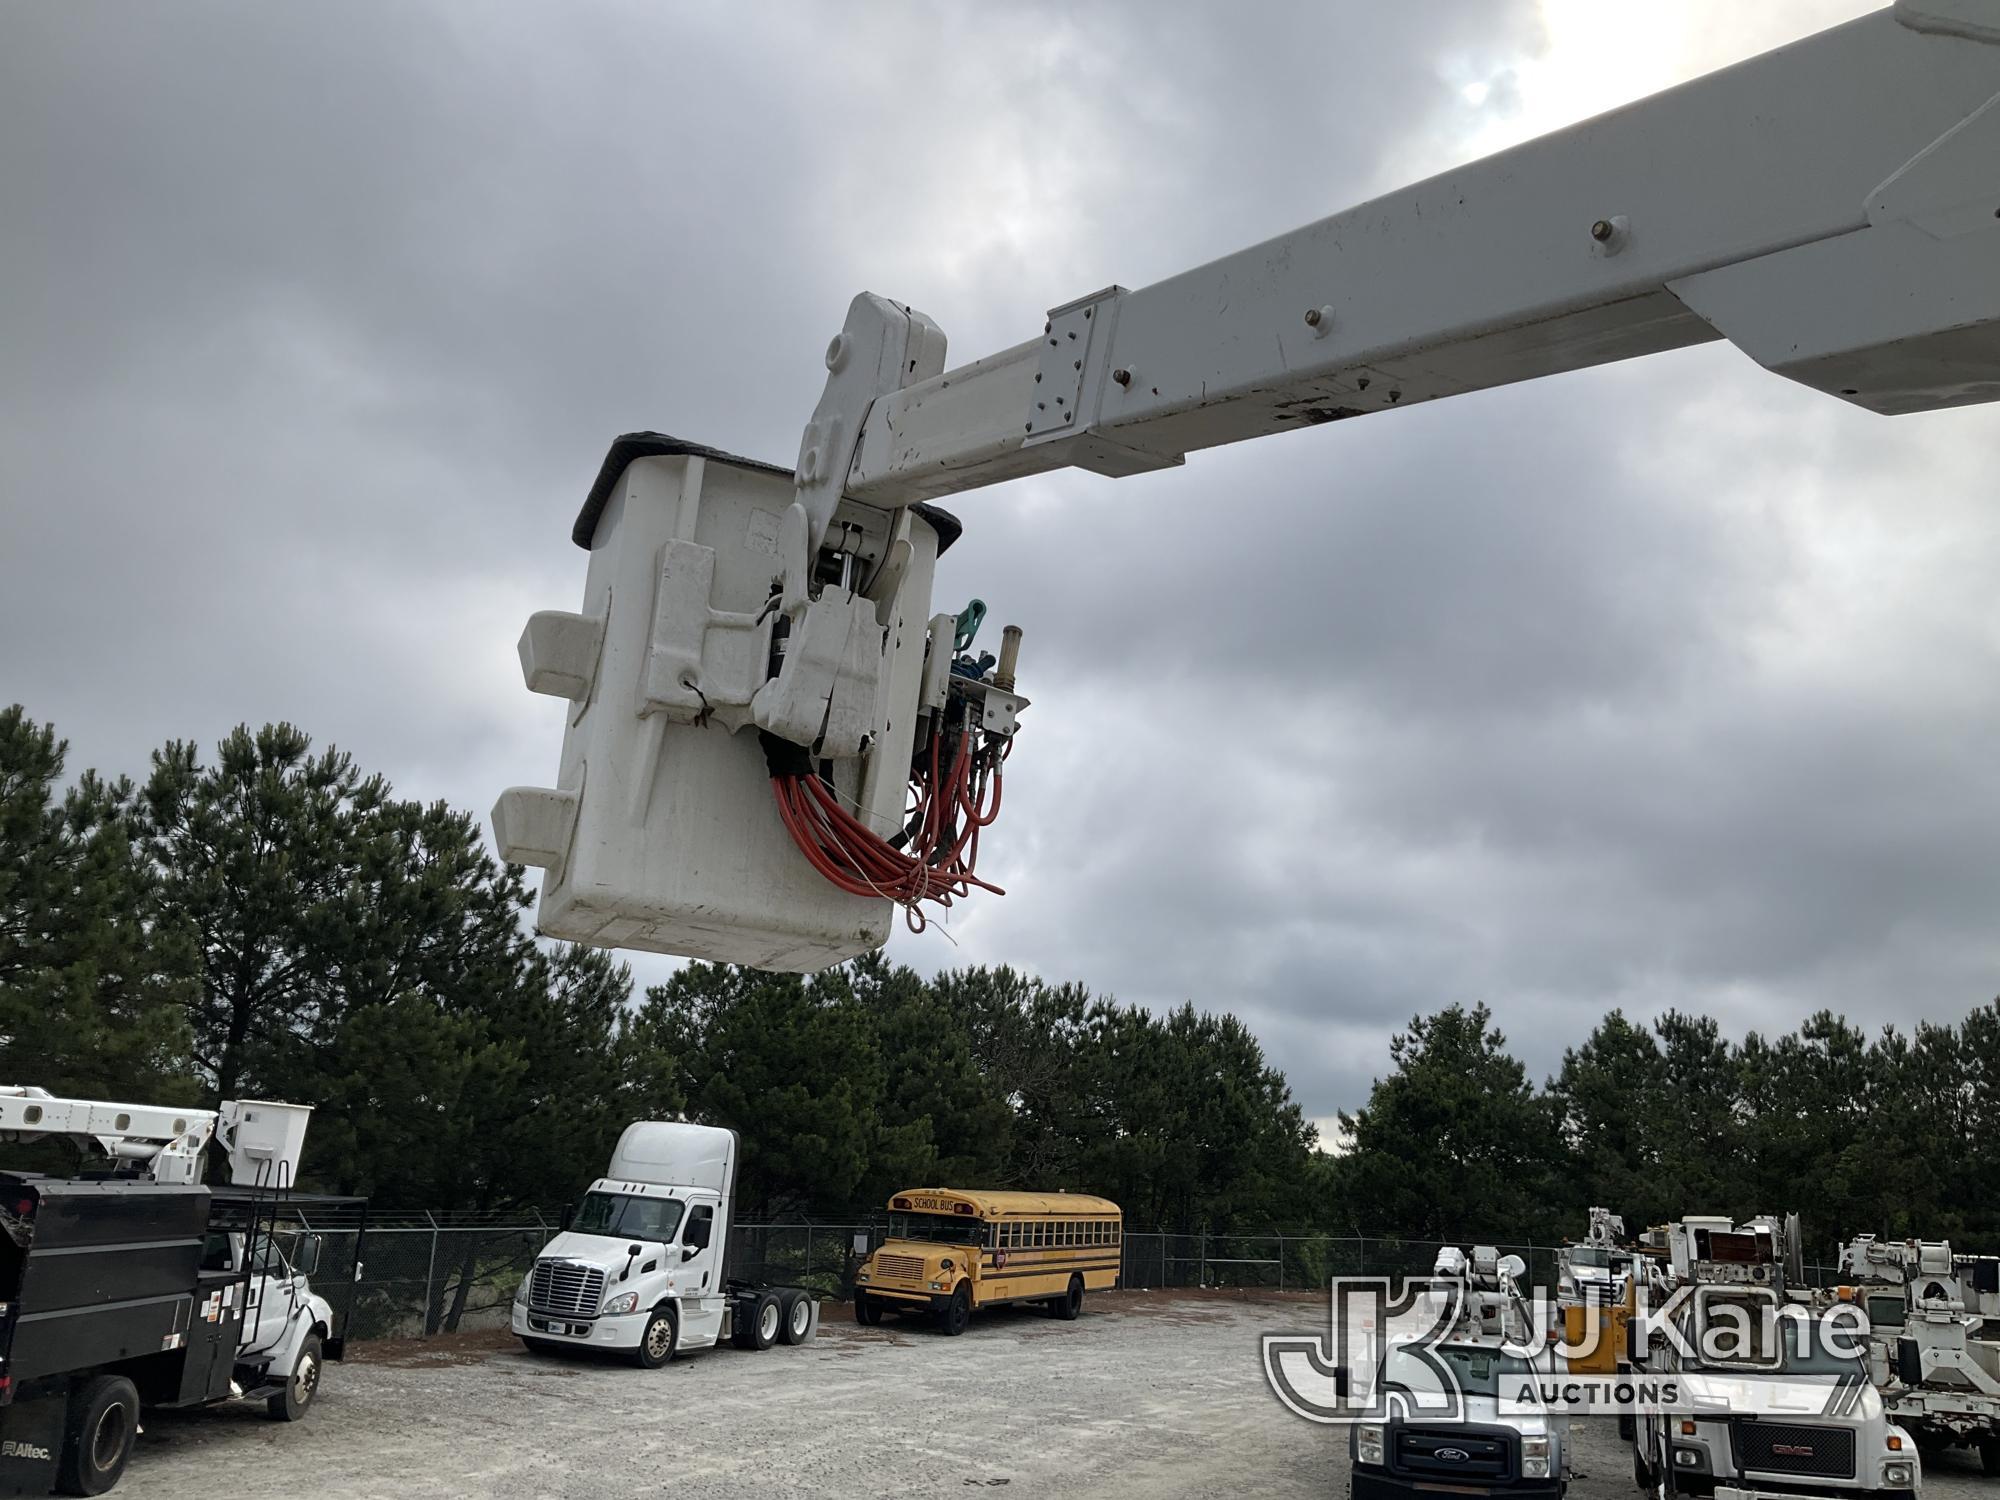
(642, 1264)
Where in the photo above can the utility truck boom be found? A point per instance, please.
(1830, 208)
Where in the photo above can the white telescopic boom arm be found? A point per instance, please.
(1832, 208)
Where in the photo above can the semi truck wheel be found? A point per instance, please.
(867, 1311)
(301, 1386)
(1069, 1306)
(104, 1419)
(958, 1311)
(662, 1336)
(767, 1320)
(797, 1307)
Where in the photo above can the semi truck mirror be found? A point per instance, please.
(568, 1215)
(1909, 1362)
(689, 1252)
(307, 1263)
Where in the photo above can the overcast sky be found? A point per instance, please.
(1665, 684)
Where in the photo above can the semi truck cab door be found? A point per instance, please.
(697, 1266)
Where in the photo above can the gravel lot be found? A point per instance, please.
(1147, 1395)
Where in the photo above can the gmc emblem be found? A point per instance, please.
(1792, 1450)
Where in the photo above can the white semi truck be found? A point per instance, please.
(1934, 1337)
(1773, 1400)
(135, 1285)
(642, 1266)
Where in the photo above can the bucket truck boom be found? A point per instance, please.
(1829, 207)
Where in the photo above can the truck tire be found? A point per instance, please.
(659, 1340)
(958, 1311)
(867, 1311)
(767, 1319)
(1069, 1306)
(796, 1324)
(103, 1421)
(301, 1385)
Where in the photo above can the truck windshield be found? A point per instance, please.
(628, 1216)
(943, 1229)
(1590, 1255)
(1478, 1369)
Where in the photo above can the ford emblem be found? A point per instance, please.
(1451, 1455)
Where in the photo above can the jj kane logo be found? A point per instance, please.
(1422, 1350)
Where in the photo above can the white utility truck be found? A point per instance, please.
(1596, 1268)
(1934, 1342)
(1454, 1419)
(642, 1265)
(771, 744)
(138, 1285)
(1774, 1399)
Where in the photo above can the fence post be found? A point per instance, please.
(809, 1254)
(1201, 1275)
(430, 1273)
(1281, 1263)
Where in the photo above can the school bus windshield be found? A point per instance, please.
(942, 1229)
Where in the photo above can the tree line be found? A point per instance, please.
(272, 921)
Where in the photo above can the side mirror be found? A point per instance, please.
(689, 1252)
(568, 1216)
(1638, 1342)
(306, 1261)
(1909, 1362)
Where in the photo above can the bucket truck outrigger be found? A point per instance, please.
(771, 743)
(137, 1285)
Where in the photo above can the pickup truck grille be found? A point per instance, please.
(1452, 1453)
(561, 1286)
(1793, 1448)
(900, 1267)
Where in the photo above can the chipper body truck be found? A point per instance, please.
(139, 1286)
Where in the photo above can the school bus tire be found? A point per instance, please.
(867, 1311)
(1069, 1306)
(957, 1312)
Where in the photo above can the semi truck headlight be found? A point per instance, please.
(624, 1302)
(521, 1293)
(1899, 1474)
(1534, 1458)
(1368, 1443)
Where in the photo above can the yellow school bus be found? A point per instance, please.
(949, 1251)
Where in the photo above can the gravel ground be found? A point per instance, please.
(1147, 1395)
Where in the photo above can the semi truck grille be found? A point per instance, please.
(900, 1267)
(1793, 1448)
(561, 1286)
(1453, 1452)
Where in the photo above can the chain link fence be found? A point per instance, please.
(429, 1273)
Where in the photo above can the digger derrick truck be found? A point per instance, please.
(1934, 1341)
(771, 744)
(136, 1285)
(1775, 1400)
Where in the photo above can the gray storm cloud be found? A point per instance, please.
(1667, 684)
